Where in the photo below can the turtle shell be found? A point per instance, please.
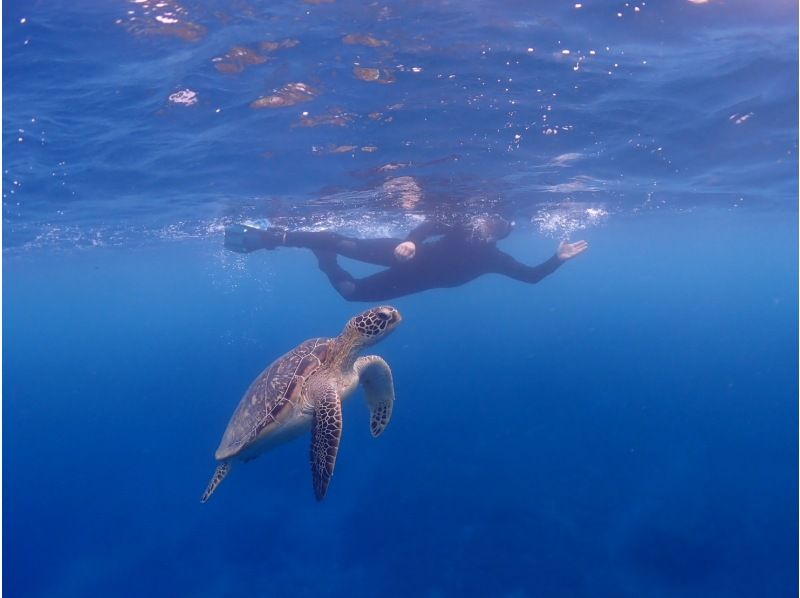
(272, 396)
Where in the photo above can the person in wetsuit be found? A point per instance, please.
(433, 255)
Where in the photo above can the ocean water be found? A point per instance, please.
(626, 427)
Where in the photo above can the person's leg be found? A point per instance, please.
(340, 279)
(379, 252)
(244, 239)
(387, 284)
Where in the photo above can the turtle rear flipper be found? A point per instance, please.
(219, 475)
(376, 379)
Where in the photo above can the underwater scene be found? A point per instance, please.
(400, 298)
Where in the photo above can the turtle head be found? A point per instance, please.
(374, 324)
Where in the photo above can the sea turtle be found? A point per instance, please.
(304, 389)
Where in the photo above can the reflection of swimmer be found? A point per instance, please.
(404, 190)
(433, 255)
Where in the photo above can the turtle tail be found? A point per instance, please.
(219, 475)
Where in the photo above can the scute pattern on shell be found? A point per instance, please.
(276, 388)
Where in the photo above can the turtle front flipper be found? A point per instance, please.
(376, 378)
(219, 475)
(325, 436)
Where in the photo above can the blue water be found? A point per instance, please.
(625, 428)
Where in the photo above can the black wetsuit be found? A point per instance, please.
(453, 259)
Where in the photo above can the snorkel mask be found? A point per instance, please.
(489, 228)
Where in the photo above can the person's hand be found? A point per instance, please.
(405, 251)
(567, 251)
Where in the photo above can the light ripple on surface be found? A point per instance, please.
(147, 138)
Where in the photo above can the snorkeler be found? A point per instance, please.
(433, 255)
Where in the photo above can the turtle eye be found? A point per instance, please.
(383, 316)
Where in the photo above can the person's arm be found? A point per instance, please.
(408, 248)
(507, 265)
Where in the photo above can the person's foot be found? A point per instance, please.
(244, 239)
